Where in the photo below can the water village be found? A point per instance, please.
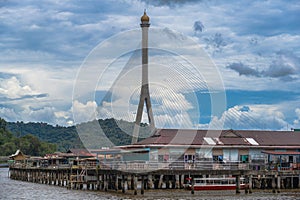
(258, 159)
(172, 158)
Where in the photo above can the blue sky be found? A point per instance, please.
(253, 44)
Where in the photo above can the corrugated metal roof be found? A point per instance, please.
(226, 137)
(281, 152)
(81, 152)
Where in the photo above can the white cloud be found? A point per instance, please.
(285, 66)
(179, 120)
(36, 93)
(255, 117)
(9, 114)
(297, 121)
(12, 88)
(31, 114)
(42, 44)
(62, 114)
(84, 112)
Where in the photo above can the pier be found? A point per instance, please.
(137, 177)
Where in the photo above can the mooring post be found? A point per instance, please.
(135, 184)
(97, 178)
(278, 184)
(167, 182)
(102, 182)
(143, 185)
(193, 185)
(132, 182)
(129, 182)
(160, 181)
(67, 177)
(59, 179)
(250, 184)
(182, 181)
(150, 182)
(105, 183)
(49, 178)
(55, 178)
(177, 184)
(116, 183)
(123, 183)
(273, 184)
(237, 183)
(246, 184)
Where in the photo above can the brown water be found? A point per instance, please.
(12, 189)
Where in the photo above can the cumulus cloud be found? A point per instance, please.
(9, 114)
(170, 109)
(59, 34)
(12, 89)
(44, 114)
(22, 97)
(297, 121)
(30, 114)
(84, 112)
(179, 120)
(243, 69)
(285, 66)
(251, 117)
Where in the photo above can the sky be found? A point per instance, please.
(48, 50)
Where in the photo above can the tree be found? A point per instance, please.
(2, 124)
(29, 144)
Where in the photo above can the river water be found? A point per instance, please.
(12, 189)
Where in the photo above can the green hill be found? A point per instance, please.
(29, 144)
(94, 134)
(64, 137)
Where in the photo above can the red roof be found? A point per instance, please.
(223, 137)
(81, 152)
(282, 152)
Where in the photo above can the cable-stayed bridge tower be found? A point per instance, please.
(145, 94)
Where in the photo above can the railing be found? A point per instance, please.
(177, 165)
(30, 166)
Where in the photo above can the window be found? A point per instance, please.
(189, 158)
(160, 158)
(218, 158)
(203, 154)
(166, 157)
(244, 158)
(163, 158)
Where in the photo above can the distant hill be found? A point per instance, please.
(94, 134)
(29, 144)
(63, 137)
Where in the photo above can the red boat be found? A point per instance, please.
(227, 183)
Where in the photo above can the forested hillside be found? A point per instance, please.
(96, 133)
(29, 144)
(64, 137)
